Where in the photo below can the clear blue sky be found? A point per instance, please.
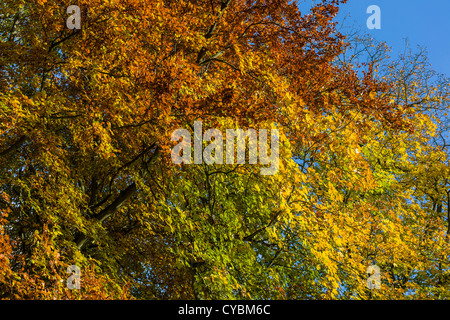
(423, 22)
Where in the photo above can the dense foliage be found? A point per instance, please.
(86, 176)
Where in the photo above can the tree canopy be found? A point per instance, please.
(87, 179)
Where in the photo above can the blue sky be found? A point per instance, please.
(425, 23)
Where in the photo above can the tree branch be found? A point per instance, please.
(14, 146)
(121, 199)
(124, 195)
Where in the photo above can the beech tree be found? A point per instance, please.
(87, 179)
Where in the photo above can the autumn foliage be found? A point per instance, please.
(86, 177)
